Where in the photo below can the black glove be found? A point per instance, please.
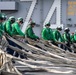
(38, 38)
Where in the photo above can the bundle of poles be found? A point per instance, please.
(41, 55)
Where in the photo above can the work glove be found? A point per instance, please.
(38, 38)
(66, 42)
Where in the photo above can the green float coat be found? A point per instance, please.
(16, 29)
(1, 29)
(67, 37)
(57, 36)
(29, 33)
(47, 34)
(8, 27)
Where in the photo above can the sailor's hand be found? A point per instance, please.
(66, 42)
(37, 40)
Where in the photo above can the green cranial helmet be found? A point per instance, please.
(1, 18)
(4, 16)
(47, 24)
(20, 19)
(32, 23)
(12, 18)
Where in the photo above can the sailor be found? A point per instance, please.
(3, 41)
(57, 35)
(30, 33)
(67, 38)
(8, 25)
(1, 25)
(4, 17)
(74, 37)
(74, 41)
(8, 29)
(16, 27)
(47, 33)
(4, 20)
(16, 30)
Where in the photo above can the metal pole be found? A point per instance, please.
(0, 10)
(41, 13)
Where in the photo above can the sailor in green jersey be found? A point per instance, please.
(16, 27)
(29, 31)
(74, 41)
(1, 25)
(67, 38)
(2, 37)
(4, 17)
(74, 37)
(17, 31)
(8, 29)
(8, 25)
(47, 33)
(57, 35)
(4, 20)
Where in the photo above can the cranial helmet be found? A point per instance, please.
(20, 19)
(32, 23)
(67, 30)
(12, 19)
(59, 28)
(4, 16)
(47, 24)
(1, 18)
